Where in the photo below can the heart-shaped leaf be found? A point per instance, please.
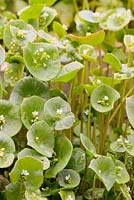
(105, 169)
(35, 154)
(103, 98)
(90, 149)
(40, 136)
(122, 175)
(10, 123)
(42, 60)
(32, 110)
(7, 148)
(30, 171)
(28, 87)
(68, 178)
(68, 72)
(61, 157)
(130, 109)
(2, 55)
(57, 113)
(77, 161)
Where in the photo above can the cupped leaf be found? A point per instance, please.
(68, 178)
(46, 17)
(90, 149)
(89, 16)
(103, 98)
(14, 72)
(130, 109)
(67, 195)
(113, 61)
(35, 154)
(10, 123)
(129, 42)
(77, 161)
(119, 19)
(105, 169)
(57, 113)
(32, 110)
(27, 87)
(68, 72)
(92, 39)
(40, 136)
(34, 195)
(28, 12)
(42, 60)
(30, 170)
(122, 175)
(7, 148)
(118, 145)
(2, 55)
(88, 52)
(61, 157)
(18, 32)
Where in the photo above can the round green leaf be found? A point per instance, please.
(90, 149)
(40, 136)
(119, 19)
(68, 178)
(32, 110)
(103, 98)
(77, 161)
(35, 154)
(30, 170)
(89, 16)
(7, 148)
(18, 32)
(118, 145)
(122, 175)
(57, 113)
(2, 55)
(130, 109)
(68, 72)
(47, 15)
(63, 150)
(42, 60)
(10, 123)
(88, 52)
(105, 169)
(129, 42)
(28, 87)
(67, 195)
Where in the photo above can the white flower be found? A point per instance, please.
(65, 26)
(41, 49)
(70, 197)
(67, 177)
(98, 81)
(24, 172)
(45, 15)
(129, 190)
(106, 98)
(59, 111)
(35, 113)
(99, 171)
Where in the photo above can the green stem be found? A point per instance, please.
(118, 197)
(75, 6)
(85, 5)
(117, 108)
(101, 129)
(94, 134)
(94, 183)
(89, 122)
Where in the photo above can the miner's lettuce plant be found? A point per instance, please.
(66, 100)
